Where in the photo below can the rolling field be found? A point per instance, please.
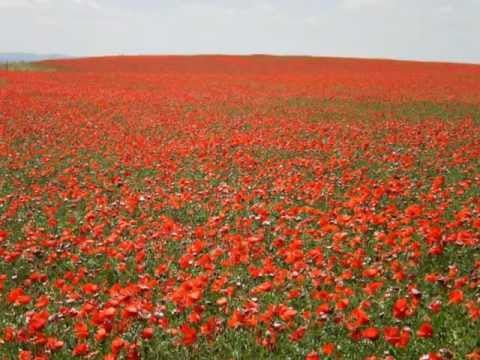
(224, 207)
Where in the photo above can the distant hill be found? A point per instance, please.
(27, 57)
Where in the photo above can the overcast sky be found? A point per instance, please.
(406, 29)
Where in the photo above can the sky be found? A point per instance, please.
(440, 30)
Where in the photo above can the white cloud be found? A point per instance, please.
(13, 3)
(23, 3)
(93, 4)
(446, 9)
(357, 4)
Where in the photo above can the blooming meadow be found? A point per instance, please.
(224, 207)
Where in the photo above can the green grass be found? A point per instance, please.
(25, 66)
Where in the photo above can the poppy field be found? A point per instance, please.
(229, 207)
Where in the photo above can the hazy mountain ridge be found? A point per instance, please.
(27, 57)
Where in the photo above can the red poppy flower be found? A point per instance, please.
(38, 321)
(328, 348)
(17, 296)
(147, 333)
(425, 330)
(81, 330)
(371, 333)
(313, 355)
(189, 335)
(455, 296)
(54, 344)
(81, 349)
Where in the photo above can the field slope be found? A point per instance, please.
(228, 207)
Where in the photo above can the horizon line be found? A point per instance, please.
(253, 54)
(60, 56)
